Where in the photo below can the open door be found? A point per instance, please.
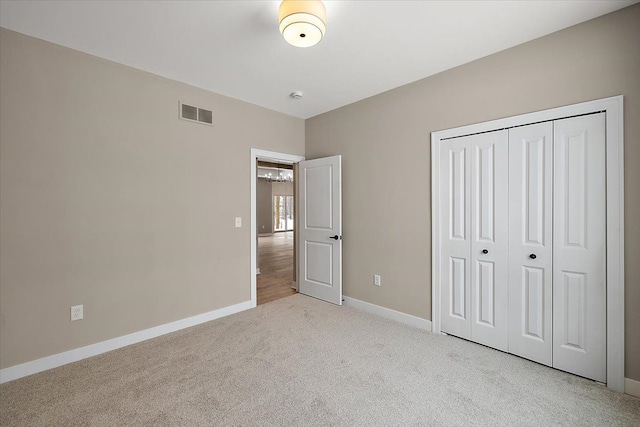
(320, 232)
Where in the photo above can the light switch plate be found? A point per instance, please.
(238, 222)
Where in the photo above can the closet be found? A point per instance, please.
(522, 241)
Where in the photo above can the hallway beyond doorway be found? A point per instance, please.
(275, 260)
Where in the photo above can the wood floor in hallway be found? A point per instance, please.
(275, 259)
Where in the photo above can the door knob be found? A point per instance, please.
(485, 251)
(336, 237)
(533, 256)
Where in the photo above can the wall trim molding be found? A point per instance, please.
(615, 214)
(56, 360)
(388, 313)
(632, 387)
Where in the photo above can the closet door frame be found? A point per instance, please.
(614, 213)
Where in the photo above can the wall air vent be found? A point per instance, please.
(195, 114)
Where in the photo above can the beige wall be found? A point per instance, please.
(108, 200)
(388, 231)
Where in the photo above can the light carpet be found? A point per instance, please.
(300, 361)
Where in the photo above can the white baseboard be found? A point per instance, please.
(50, 362)
(632, 387)
(388, 313)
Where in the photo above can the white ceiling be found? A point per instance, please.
(234, 47)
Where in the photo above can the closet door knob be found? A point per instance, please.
(533, 256)
(485, 251)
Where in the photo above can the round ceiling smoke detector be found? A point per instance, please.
(296, 95)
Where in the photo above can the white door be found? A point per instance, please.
(474, 244)
(490, 239)
(530, 244)
(579, 277)
(455, 236)
(320, 188)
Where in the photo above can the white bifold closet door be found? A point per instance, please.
(579, 275)
(522, 232)
(490, 239)
(455, 235)
(474, 241)
(530, 241)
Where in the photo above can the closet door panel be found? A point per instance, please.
(490, 244)
(579, 277)
(530, 241)
(455, 236)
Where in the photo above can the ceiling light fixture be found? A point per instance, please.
(303, 22)
(281, 176)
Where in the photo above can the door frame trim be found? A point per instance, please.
(257, 154)
(613, 107)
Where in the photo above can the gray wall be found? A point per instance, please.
(108, 200)
(265, 191)
(387, 224)
(264, 207)
(282, 188)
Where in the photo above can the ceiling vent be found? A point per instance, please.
(195, 114)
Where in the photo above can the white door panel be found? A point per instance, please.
(321, 228)
(533, 302)
(489, 242)
(530, 244)
(320, 270)
(579, 336)
(318, 208)
(455, 237)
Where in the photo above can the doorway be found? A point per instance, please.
(273, 230)
(283, 208)
(276, 217)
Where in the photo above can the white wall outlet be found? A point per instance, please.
(377, 280)
(77, 312)
(238, 222)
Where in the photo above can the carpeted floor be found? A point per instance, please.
(299, 361)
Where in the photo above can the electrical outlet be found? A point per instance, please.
(77, 312)
(238, 222)
(377, 280)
